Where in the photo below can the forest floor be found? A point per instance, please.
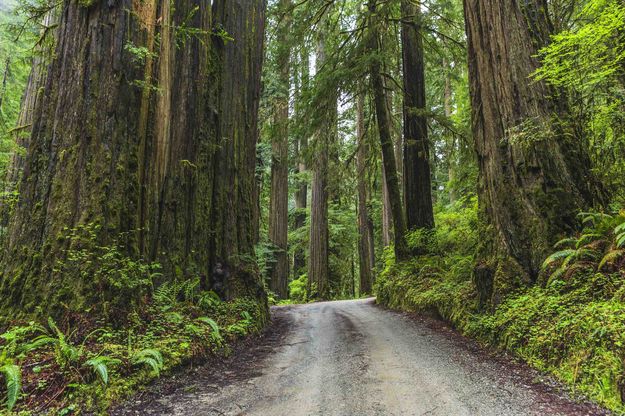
(356, 358)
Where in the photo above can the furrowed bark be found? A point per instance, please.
(111, 146)
(365, 240)
(278, 211)
(530, 189)
(417, 179)
(384, 128)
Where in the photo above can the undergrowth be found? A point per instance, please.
(571, 324)
(81, 363)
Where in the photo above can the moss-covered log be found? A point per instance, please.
(148, 128)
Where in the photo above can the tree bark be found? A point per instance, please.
(318, 268)
(365, 238)
(301, 193)
(417, 176)
(110, 147)
(279, 200)
(528, 190)
(384, 128)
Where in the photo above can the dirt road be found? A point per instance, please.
(354, 358)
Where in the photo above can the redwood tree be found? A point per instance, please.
(111, 147)
(530, 187)
(417, 180)
(383, 118)
(278, 212)
(365, 226)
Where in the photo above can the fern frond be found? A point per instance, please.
(100, 366)
(620, 228)
(149, 357)
(210, 322)
(559, 255)
(611, 257)
(567, 242)
(587, 239)
(13, 380)
(39, 342)
(620, 240)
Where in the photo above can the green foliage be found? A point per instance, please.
(573, 325)
(13, 381)
(118, 281)
(585, 63)
(298, 289)
(100, 366)
(150, 358)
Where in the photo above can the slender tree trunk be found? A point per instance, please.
(417, 179)
(387, 217)
(386, 141)
(301, 194)
(186, 179)
(529, 192)
(451, 144)
(318, 268)
(364, 241)
(279, 201)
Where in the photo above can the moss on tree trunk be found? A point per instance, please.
(156, 145)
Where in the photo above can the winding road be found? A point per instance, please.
(355, 358)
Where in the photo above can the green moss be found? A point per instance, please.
(573, 327)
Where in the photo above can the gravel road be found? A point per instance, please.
(354, 358)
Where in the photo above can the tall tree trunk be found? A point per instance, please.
(417, 179)
(364, 240)
(279, 202)
(301, 193)
(529, 192)
(384, 128)
(31, 98)
(387, 217)
(318, 268)
(451, 143)
(111, 150)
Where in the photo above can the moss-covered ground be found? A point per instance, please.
(571, 324)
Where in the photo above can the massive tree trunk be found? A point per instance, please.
(279, 203)
(318, 267)
(384, 128)
(301, 193)
(529, 188)
(156, 151)
(417, 180)
(365, 238)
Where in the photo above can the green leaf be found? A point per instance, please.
(13, 376)
(559, 255)
(210, 322)
(611, 257)
(149, 357)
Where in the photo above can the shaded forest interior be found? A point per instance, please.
(170, 168)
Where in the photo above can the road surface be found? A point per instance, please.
(355, 358)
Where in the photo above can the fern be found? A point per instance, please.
(559, 255)
(567, 242)
(149, 358)
(587, 239)
(216, 334)
(13, 380)
(209, 299)
(100, 366)
(611, 257)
